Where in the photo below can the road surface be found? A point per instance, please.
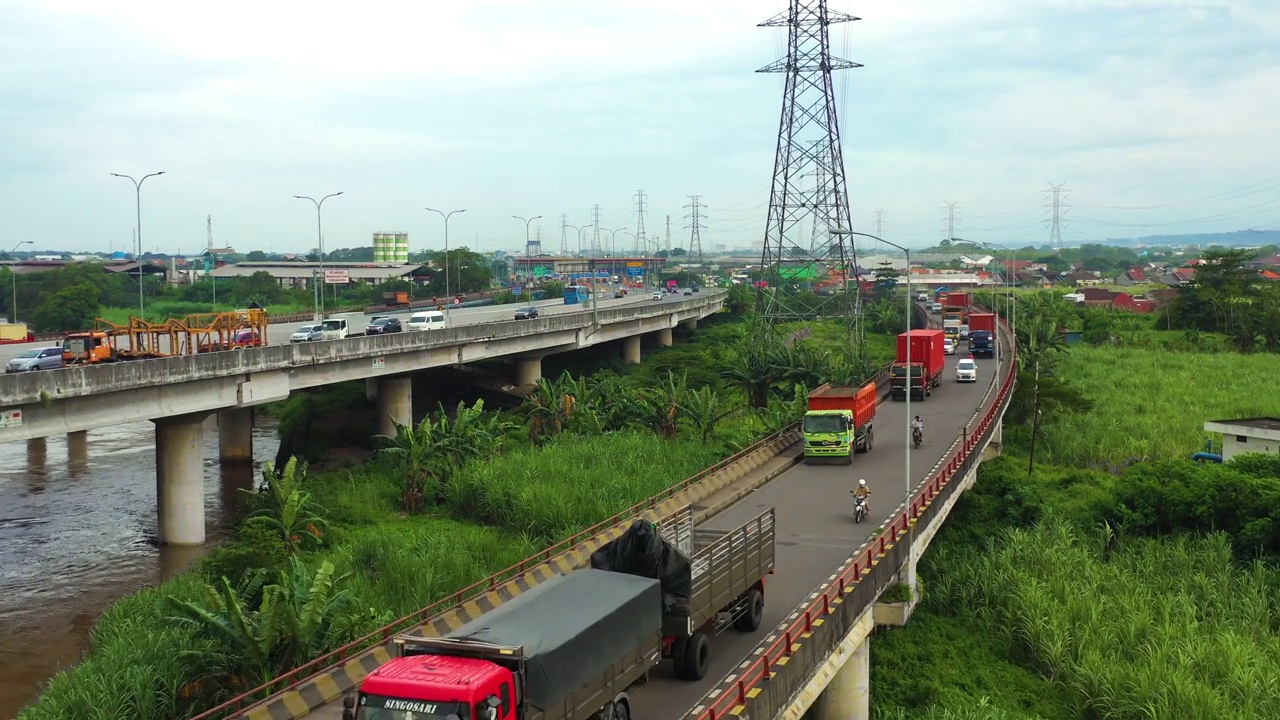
(278, 333)
(814, 528)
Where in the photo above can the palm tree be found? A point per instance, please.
(309, 602)
(662, 404)
(1039, 343)
(245, 641)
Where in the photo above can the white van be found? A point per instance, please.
(426, 320)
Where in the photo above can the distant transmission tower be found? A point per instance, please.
(1056, 194)
(950, 219)
(208, 221)
(695, 224)
(537, 234)
(595, 230)
(642, 244)
(808, 140)
(564, 235)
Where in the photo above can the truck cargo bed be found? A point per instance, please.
(725, 564)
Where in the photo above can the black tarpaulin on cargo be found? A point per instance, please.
(642, 551)
(572, 627)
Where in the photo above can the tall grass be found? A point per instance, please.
(573, 481)
(1153, 404)
(1135, 628)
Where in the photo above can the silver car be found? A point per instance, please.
(49, 358)
(306, 333)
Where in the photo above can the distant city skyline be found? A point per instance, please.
(505, 108)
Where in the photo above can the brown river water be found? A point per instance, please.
(77, 533)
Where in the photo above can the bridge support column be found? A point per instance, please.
(631, 350)
(528, 371)
(847, 697)
(664, 337)
(395, 403)
(180, 479)
(235, 435)
(78, 446)
(690, 324)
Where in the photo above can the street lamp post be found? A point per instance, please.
(448, 296)
(906, 462)
(319, 291)
(13, 272)
(137, 192)
(613, 244)
(1009, 299)
(526, 231)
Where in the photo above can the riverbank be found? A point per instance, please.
(1120, 581)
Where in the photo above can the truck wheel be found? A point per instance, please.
(621, 711)
(871, 436)
(753, 612)
(848, 459)
(693, 660)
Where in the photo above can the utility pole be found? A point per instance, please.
(595, 231)
(1056, 209)
(564, 235)
(695, 224)
(808, 112)
(642, 244)
(951, 209)
(213, 259)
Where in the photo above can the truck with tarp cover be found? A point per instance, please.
(571, 648)
(712, 580)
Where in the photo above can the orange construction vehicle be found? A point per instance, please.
(142, 340)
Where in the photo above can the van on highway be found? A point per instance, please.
(334, 328)
(427, 320)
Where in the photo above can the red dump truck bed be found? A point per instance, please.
(860, 401)
(982, 321)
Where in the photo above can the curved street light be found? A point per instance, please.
(319, 292)
(137, 191)
(526, 231)
(447, 294)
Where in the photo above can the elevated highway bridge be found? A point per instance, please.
(821, 601)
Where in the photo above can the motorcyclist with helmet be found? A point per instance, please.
(864, 493)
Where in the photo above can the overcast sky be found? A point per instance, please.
(1159, 116)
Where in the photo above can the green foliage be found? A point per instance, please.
(71, 307)
(285, 511)
(1134, 628)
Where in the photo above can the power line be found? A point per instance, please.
(808, 140)
(1054, 206)
(595, 225)
(1233, 194)
(695, 224)
(641, 241)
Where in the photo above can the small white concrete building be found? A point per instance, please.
(1247, 435)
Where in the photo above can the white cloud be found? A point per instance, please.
(536, 107)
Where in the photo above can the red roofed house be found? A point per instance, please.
(1271, 275)
(1112, 300)
(1133, 277)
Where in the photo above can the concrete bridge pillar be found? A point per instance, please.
(180, 479)
(78, 444)
(395, 403)
(235, 435)
(631, 350)
(848, 695)
(528, 371)
(690, 324)
(664, 337)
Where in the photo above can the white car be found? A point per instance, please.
(657, 296)
(966, 370)
(949, 346)
(306, 333)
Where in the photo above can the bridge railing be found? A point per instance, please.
(780, 667)
(339, 657)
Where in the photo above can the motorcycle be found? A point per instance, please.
(917, 436)
(859, 508)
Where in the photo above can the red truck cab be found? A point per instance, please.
(431, 687)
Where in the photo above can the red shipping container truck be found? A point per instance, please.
(927, 360)
(958, 299)
(982, 334)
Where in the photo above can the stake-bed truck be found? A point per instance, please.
(573, 646)
(838, 423)
(927, 360)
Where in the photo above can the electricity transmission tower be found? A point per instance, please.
(666, 242)
(1056, 193)
(879, 226)
(209, 228)
(695, 224)
(595, 231)
(808, 141)
(950, 219)
(642, 244)
(564, 235)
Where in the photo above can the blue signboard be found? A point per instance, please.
(633, 271)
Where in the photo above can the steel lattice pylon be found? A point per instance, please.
(794, 258)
